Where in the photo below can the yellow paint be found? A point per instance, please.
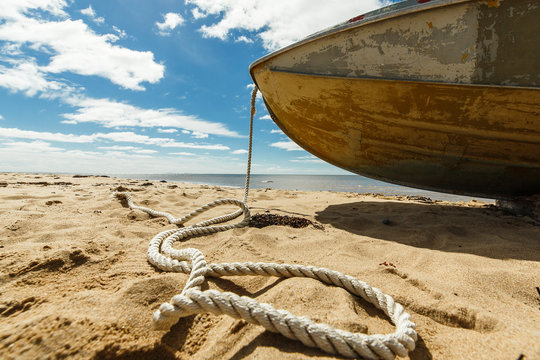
(492, 3)
(438, 136)
(430, 24)
(464, 57)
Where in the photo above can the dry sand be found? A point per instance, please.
(75, 282)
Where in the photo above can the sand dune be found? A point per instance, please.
(75, 282)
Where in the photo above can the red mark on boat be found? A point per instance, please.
(358, 18)
(423, 1)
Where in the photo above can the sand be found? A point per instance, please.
(75, 282)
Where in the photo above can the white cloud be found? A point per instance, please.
(199, 135)
(89, 11)
(114, 114)
(145, 151)
(41, 157)
(73, 46)
(131, 137)
(33, 146)
(128, 136)
(265, 117)
(197, 14)
(11, 49)
(121, 33)
(26, 76)
(244, 39)
(182, 154)
(133, 149)
(167, 131)
(14, 9)
(308, 159)
(1, 117)
(279, 22)
(47, 136)
(316, 161)
(274, 131)
(287, 145)
(118, 148)
(239, 152)
(170, 22)
(195, 146)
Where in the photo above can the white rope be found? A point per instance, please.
(193, 300)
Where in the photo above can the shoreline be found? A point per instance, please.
(282, 182)
(75, 281)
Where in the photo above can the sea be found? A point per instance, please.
(338, 183)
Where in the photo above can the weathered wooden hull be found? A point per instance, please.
(382, 99)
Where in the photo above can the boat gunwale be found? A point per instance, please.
(384, 15)
(331, 76)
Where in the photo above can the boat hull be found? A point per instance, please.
(466, 126)
(441, 137)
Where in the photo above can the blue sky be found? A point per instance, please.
(140, 86)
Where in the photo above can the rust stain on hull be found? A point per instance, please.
(440, 137)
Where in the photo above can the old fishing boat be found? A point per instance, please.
(441, 95)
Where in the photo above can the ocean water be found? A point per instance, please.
(340, 183)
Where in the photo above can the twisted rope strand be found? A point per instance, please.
(192, 300)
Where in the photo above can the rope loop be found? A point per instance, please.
(192, 300)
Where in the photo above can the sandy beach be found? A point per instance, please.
(76, 283)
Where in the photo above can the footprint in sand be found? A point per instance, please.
(14, 307)
(443, 309)
(59, 261)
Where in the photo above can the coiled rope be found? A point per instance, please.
(193, 300)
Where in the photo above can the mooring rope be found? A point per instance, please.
(192, 300)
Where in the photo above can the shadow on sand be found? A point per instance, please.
(482, 231)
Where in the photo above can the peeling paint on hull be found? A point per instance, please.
(427, 99)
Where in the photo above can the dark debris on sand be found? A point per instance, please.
(43, 183)
(263, 220)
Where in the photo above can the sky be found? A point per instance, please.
(148, 86)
